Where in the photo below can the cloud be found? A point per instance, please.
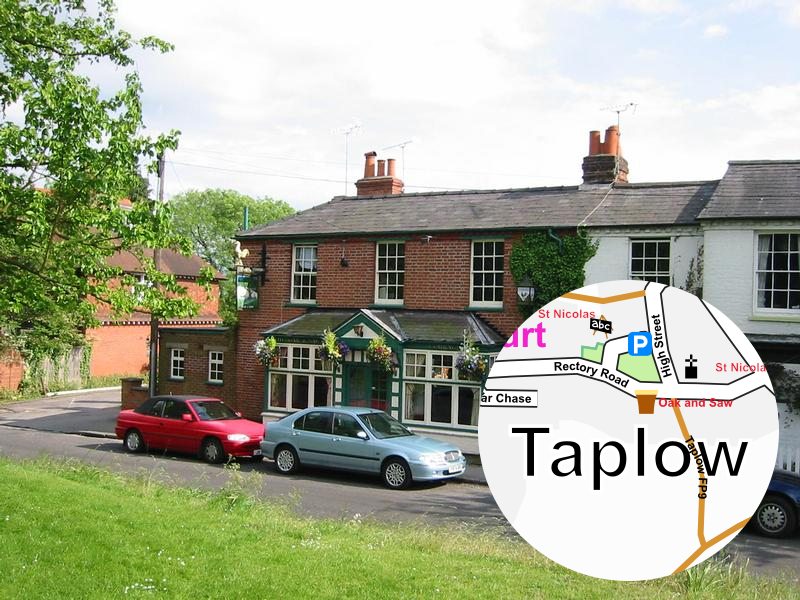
(788, 9)
(715, 31)
(500, 98)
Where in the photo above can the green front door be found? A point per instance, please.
(366, 385)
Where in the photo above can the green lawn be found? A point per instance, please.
(68, 530)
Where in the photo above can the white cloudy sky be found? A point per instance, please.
(494, 95)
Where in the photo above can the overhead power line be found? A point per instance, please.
(339, 163)
(301, 177)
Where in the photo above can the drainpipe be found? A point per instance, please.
(552, 235)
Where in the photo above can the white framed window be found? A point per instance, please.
(415, 364)
(777, 272)
(487, 273)
(140, 287)
(177, 363)
(390, 266)
(300, 379)
(442, 366)
(433, 392)
(215, 362)
(304, 274)
(650, 260)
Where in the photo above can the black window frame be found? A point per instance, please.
(173, 402)
(356, 422)
(329, 416)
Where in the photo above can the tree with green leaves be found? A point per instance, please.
(210, 218)
(70, 150)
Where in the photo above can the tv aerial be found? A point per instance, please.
(621, 108)
(347, 130)
(402, 146)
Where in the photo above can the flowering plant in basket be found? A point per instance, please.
(470, 362)
(379, 353)
(266, 350)
(332, 348)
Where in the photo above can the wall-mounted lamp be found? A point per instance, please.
(358, 330)
(525, 290)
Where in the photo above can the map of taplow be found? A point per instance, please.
(640, 426)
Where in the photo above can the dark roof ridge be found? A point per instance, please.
(663, 184)
(766, 161)
(559, 188)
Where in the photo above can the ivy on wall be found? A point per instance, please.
(555, 265)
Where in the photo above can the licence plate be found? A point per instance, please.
(455, 469)
(257, 452)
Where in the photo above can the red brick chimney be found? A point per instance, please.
(383, 183)
(605, 163)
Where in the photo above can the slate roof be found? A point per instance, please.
(171, 262)
(512, 209)
(757, 189)
(427, 326)
(311, 323)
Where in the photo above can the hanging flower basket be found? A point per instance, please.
(267, 351)
(332, 348)
(380, 354)
(470, 363)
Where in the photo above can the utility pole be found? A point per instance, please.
(157, 263)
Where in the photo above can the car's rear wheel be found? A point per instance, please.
(133, 441)
(396, 474)
(775, 517)
(286, 460)
(212, 451)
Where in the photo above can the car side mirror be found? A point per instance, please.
(187, 417)
(362, 435)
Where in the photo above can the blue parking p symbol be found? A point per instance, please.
(640, 343)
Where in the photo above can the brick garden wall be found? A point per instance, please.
(12, 370)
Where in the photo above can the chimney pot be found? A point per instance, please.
(369, 164)
(605, 163)
(594, 143)
(380, 185)
(611, 143)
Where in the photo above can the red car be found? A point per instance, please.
(192, 424)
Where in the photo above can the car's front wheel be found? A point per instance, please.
(396, 474)
(133, 441)
(286, 460)
(775, 517)
(212, 451)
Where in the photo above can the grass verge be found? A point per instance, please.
(69, 530)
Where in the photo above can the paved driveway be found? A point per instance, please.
(94, 412)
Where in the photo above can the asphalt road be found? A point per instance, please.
(321, 493)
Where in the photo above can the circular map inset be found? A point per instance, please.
(628, 430)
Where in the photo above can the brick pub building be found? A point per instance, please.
(420, 269)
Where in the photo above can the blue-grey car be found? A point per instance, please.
(359, 439)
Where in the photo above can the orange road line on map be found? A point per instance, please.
(710, 543)
(602, 300)
(701, 502)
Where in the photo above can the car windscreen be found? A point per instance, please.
(213, 411)
(383, 426)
